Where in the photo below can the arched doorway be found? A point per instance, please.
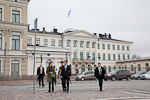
(89, 67)
(82, 68)
(48, 61)
(147, 67)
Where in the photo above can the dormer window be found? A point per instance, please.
(0, 14)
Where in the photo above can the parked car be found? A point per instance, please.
(119, 74)
(137, 75)
(85, 76)
(146, 76)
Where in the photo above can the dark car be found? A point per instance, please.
(137, 75)
(119, 74)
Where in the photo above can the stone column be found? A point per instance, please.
(72, 53)
(78, 53)
(64, 43)
(96, 53)
(90, 50)
(85, 50)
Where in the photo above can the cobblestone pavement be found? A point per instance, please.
(79, 90)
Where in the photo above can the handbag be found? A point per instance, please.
(53, 75)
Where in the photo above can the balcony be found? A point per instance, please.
(82, 60)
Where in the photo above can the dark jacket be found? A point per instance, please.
(38, 71)
(48, 72)
(67, 72)
(97, 75)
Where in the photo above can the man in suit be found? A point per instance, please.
(40, 75)
(100, 73)
(66, 75)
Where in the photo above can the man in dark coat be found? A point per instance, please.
(100, 73)
(40, 75)
(66, 75)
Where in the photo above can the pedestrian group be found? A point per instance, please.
(65, 74)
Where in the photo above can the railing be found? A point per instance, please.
(83, 60)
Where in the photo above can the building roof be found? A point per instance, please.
(116, 40)
(45, 32)
(133, 60)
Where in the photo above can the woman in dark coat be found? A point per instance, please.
(50, 70)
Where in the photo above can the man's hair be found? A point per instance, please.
(99, 63)
(61, 62)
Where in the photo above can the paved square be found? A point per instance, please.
(79, 90)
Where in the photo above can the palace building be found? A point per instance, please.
(82, 49)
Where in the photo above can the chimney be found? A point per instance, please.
(109, 36)
(55, 30)
(95, 34)
(43, 29)
(105, 35)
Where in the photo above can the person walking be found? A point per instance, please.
(66, 75)
(100, 73)
(59, 72)
(40, 75)
(50, 77)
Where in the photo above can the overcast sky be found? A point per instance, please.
(125, 19)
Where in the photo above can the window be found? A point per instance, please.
(113, 47)
(93, 45)
(124, 57)
(68, 43)
(29, 40)
(81, 44)
(45, 41)
(98, 46)
(103, 56)
(109, 68)
(128, 56)
(139, 67)
(108, 45)
(48, 61)
(99, 56)
(118, 56)
(89, 68)
(103, 46)
(0, 66)
(82, 68)
(147, 67)
(87, 44)
(81, 55)
(76, 69)
(15, 42)
(119, 67)
(109, 58)
(118, 46)
(37, 41)
(75, 43)
(123, 47)
(125, 66)
(0, 41)
(15, 16)
(60, 43)
(53, 42)
(114, 57)
(0, 14)
(75, 55)
(87, 55)
(132, 69)
(114, 67)
(93, 56)
(128, 48)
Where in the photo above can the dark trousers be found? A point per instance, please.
(64, 83)
(100, 82)
(41, 79)
(51, 84)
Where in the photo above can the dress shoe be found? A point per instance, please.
(49, 91)
(43, 85)
(39, 85)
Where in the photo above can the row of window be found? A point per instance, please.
(45, 42)
(114, 47)
(15, 15)
(75, 44)
(99, 56)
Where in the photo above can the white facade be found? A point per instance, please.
(81, 47)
